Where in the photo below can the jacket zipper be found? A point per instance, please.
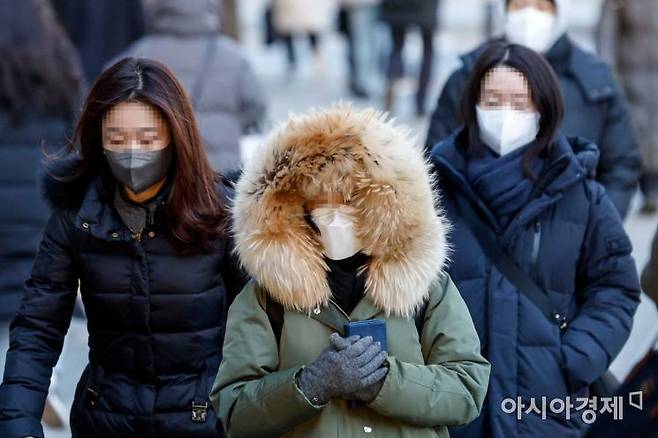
(534, 258)
(339, 309)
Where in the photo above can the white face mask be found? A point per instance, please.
(337, 231)
(532, 28)
(505, 130)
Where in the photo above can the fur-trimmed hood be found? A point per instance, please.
(375, 165)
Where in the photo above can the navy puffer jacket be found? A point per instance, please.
(595, 109)
(570, 240)
(156, 322)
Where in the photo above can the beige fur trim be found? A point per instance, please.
(371, 161)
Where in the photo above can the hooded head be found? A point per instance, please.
(378, 170)
(533, 26)
(186, 18)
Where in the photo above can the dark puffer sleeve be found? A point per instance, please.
(37, 333)
(610, 293)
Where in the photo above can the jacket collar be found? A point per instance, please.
(449, 157)
(92, 199)
(593, 75)
(332, 316)
(98, 217)
(560, 55)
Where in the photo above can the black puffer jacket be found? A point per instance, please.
(156, 324)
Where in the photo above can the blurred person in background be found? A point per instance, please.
(595, 106)
(627, 37)
(337, 223)
(40, 91)
(303, 18)
(139, 224)
(226, 95)
(540, 253)
(228, 16)
(357, 21)
(401, 15)
(100, 29)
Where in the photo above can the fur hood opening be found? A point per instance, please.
(375, 165)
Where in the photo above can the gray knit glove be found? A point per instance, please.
(367, 394)
(339, 373)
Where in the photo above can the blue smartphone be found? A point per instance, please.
(370, 327)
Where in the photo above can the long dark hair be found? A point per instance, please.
(40, 72)
(544, 88)
(196, 213)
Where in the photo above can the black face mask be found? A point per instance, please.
(139, 170)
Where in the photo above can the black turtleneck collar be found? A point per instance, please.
(347, 287)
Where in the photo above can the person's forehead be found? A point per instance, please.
(505, 79)
(129, 115)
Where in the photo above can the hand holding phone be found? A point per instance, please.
(376, 328)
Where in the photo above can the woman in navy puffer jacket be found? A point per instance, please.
(139, 225)
(534, 189)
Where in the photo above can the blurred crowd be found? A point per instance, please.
(525, 91)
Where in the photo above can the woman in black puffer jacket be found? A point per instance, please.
(139, 224)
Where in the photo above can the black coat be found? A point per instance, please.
(421, 13)
(595, 109)
(23, 213)
(156, 323)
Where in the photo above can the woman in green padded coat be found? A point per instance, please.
(336, 222)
